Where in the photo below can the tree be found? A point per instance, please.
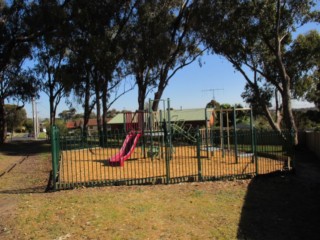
(182, 49)
(16, 37)
(97, 49)
(304, 62)
(256, 35)
(163, 43)
(15, 116)
(49, 70)
(67, 114)
(213, 104)
(51, 52)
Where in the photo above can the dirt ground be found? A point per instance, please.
(276, 206)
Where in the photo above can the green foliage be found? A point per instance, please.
(62, 126)
(67, 114)
(256, 35)
(29, 125)
(213, 104)
(305, 62)
(307, 120)
(15, 117)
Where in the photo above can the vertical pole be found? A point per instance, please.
(206, 133)
(228, 130)
(54, 156)
(252, 136)
(255, 150)
(221, 127)
(169, 128)
(151, 121)
(235, 134)
(124, 122)
(34, 118)
(168, 150)
(222, 133)
(198, 155)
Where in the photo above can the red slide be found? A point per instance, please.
(126, 150)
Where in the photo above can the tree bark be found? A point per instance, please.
(288, 114)
(142, 90)
(104, 109)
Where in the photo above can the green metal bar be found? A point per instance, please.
(222, 136)
(251, 130)
(169, 127)
(255, 151)
(235, 134)
(198, 155)
(54, 156)
(151, 120)
(167, 157)
(206, 132)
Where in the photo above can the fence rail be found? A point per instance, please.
(160, 159)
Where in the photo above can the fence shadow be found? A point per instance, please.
(38, 189)
(280, 206)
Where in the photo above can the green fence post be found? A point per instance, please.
(198, 155)
(54, 156)
(166, 152)
(252, 134)
(255, 150)
(235, 134)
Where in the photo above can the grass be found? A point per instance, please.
(134, 212)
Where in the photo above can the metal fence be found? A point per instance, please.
(159, 158)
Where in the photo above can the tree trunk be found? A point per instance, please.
(104, 108)
(52, 112)
(161, 86)
(156, 100)
(97, 90)
(87, 111)
(142, 90)
(288, 114)
(2, 122)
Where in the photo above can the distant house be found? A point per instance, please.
(183, 117)
(78, 124)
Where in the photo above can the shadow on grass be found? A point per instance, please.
(38, 189)
(280, 206)
(27, 147)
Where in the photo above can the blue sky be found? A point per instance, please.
(189, 88)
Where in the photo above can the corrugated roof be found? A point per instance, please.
(197, 114)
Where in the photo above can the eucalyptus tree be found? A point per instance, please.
(162, 43)
(304, 62)
(15, 116)
(97, 45)
(16, 36)
(50, 52)
(181, 48)
(49, 69)
(257, 36)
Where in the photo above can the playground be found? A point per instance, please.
(92, 166)
(153, 149)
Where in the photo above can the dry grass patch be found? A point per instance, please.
(184, 211)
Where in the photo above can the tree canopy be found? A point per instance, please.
(87, 49)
